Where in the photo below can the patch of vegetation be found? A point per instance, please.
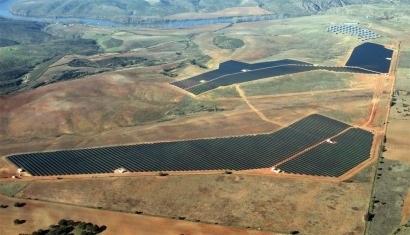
(33, 48)
(193, 51)
(364, 176)
(189, 106)
(19, 204)
(71, 227)
(70, 75)
(112, 42)
(403, 230)
(19, 221)
(225, 42)
(6, 42)
(113, 63)
(12, 188)
(223, 92)
(404, 61)
(390, 190)
(300, 82)
(171, 72)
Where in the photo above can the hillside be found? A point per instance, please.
(148, 10)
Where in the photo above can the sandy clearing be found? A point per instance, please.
(398, 140)
(40, 214)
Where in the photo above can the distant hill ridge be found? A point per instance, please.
(146, 10)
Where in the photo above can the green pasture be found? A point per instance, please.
(299, 82)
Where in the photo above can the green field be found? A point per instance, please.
(11, 188)
(300, 82)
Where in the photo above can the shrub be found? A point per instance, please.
(19, 204)
(369, 216)
(18, 221)
(62, 222)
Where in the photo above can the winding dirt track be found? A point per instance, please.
(259, 113)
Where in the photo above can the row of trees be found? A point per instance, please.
(67, 226)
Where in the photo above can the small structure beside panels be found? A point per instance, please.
(351, 147)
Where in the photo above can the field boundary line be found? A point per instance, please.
(310, 148)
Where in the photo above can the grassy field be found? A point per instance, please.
(234, 200)
(301, 82)
(11, 188)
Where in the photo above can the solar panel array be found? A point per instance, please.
(362, 34)
(231, 67)
(333, 159)
(235, 153)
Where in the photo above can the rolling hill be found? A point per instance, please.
(151, 10)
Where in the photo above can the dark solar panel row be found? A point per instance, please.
(265, 73)
(333, 159)
(236, 153)
(231, 67)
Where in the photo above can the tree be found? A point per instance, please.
(19, 204)
(62, 222)
(95, 228)
(369, 216)
(18, 221)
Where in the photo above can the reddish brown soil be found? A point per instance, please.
(39, 215)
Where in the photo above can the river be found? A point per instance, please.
(5, 13)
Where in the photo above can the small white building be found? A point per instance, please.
(276, 170)
(121, 170)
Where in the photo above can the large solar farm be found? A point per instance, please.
(335, 148)
(315, 145)
(265, 127)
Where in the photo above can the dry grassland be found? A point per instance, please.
(280, 205)
(39, 215)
